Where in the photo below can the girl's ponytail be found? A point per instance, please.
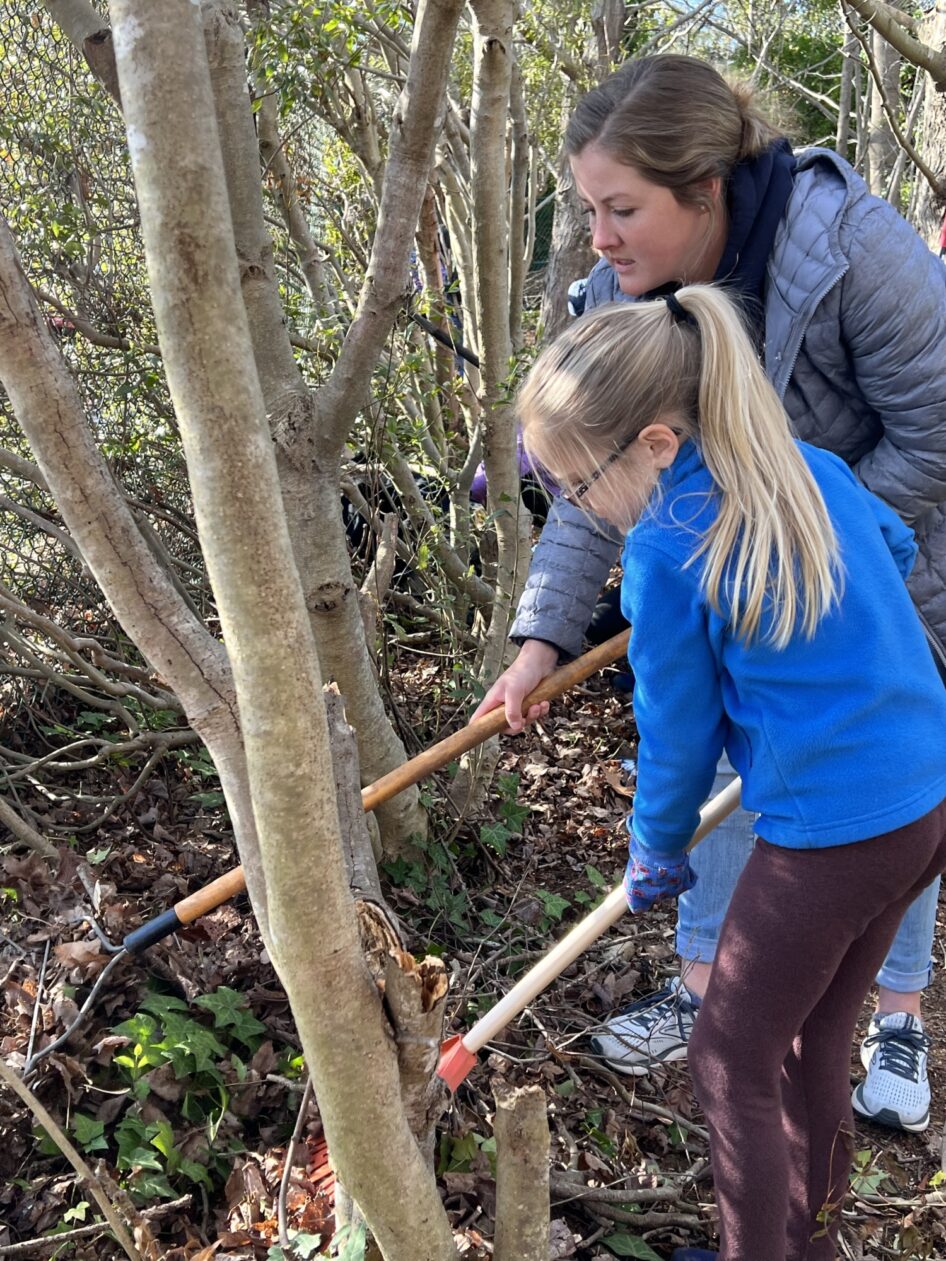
(772, 547)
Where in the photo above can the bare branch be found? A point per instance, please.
(936, 184)
(417, 120)
(90, 332)
(41, 523)
(86, 1176)
(888, 23)
(90, 33)
(24, 832)
(22, 468)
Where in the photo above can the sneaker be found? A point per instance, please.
(652, 1031)
(896, 1091)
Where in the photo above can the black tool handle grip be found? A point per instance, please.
(161, 926)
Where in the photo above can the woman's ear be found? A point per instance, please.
(661, 444)
(710, 192)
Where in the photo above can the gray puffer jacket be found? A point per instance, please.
(855, 344)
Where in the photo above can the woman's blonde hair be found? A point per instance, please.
(625, 366)
(675, 119)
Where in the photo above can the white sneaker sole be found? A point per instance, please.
(887, 1116)
(637, 1068)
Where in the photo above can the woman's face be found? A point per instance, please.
(648, 237)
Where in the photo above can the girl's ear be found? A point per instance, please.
(661, 443)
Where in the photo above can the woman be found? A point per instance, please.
(684, 181)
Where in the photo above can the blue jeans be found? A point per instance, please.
(718, 861)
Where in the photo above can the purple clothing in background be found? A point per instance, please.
(526, 469)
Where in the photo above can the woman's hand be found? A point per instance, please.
(535, 661)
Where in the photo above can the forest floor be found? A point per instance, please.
(181, 1089)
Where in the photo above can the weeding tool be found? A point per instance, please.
(458, 1054)
(438, 755)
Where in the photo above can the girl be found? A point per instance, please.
(765, 588)
(684, 181)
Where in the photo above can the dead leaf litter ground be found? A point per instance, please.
(182, 1087)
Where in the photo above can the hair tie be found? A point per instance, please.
(679, 312)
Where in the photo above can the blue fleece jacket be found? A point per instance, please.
(837, 738)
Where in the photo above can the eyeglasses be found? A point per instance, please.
(582, 489)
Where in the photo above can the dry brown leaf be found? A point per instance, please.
(615, 777)
(206, 1253)
(84, 957)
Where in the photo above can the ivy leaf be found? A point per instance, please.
(625, 1245)
(89, 1133)
(555, 905)
(230, 1011)
(496, 836)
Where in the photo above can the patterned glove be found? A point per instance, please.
(650, 877)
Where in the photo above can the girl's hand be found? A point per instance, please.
(536, 659)
(650, 877)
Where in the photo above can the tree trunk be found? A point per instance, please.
(493, 54)
(862, 101)
(522, 1174)
(308, 468)
(570, 257)
(882, 144)
(929, 209)
(850, 54)
(205, 339)
(519, 162)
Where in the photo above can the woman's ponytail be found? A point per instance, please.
(772, 548)
(757, 132)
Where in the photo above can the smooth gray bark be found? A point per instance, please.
(205, 339)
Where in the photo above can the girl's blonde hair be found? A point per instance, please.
(625, 366)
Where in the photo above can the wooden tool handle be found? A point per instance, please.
(491, 724)
(232, 882)
(582, 935)
(218, 891)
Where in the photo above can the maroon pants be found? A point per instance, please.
(770, 1053)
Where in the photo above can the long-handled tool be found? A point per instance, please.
(438, 755)
(433, 759)
(458, 1054)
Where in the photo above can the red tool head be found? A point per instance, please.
(455, 1061)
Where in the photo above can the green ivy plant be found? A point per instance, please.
(165, 1032)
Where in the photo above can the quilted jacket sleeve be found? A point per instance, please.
(893, 315)
(573, 557)
(569, 567)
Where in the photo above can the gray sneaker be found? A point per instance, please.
(896, 1091)
(654, 1030)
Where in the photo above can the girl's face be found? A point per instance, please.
(648, 237)
(620, 493)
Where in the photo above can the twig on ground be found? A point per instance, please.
(566, 1188)
(79, 1019)
(40, 984)
(82, 1169)
(25, 834)
(645, 1221)
(641, 1107)
(51, 1241)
